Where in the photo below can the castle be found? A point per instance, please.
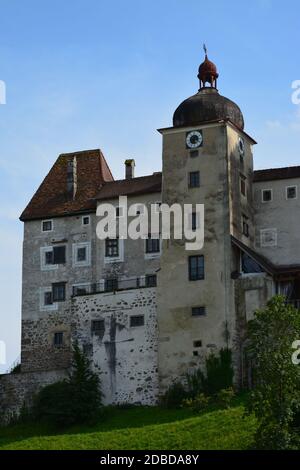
(146, 311)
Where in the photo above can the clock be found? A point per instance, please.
(194, 139)
(241, 147)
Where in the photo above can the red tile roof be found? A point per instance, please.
(140, 185)
(276, 174)
(52, 198)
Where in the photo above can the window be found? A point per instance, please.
(59, 255)
(198, 344)
(59, 291)
(111, 285)
(47, 226)
(194, 153)
(81, 254)
(137, 320)
(291, 192)
(48, 298)
(198, 311)
(245, 225)
(243, 185)
(98, 327)
(81, 289)
(86, 220)
(268, 237)
(111, 247)
(152, 245)
(194, 179)
(151, 280)
(51, 257)
(266, 195)
(58, 338)
(196, 268)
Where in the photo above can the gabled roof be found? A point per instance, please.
(276, 174)
(52, 198)
(134, 186)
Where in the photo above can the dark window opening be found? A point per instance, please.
(291, 192)
(58, 339)
(59, 292)
(243, 185)
(249, 265)
(48, 298)
(81, 290)
(194, 153)
(195, 353)
(151, 280)
(198, 311)
(152, 245)
(86, 220)
(111, 247)
(49, 257)
(98, 327)
(111, 285)
(194, 179)
(198, 344)
(267, 195)
(245, 227)
(59, 255)
(81, 254)
(47, 226)
(137, 320)
(196, 268)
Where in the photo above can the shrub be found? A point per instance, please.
(219, 372)
(224, 397)
(174, 396)
(74, 400)
(197, 404)
(194, 383)
(275, 399)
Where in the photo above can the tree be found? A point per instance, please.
(75, 400)
(275, 399)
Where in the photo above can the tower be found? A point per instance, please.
(207, 159)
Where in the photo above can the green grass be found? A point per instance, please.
(141, 428)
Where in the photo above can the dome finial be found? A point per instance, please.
(207, 72)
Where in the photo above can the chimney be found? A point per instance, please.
(129, 169)
(72, 177)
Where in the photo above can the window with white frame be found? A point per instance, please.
(114, 250)
(268, 237)
(266, 195)
(46, 299)
(152, 246)
(81, 254)
(52, 257)
(291, 192)
(47, 226)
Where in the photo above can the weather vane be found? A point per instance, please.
(205, 49)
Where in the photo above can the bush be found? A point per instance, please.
(75, 400)
(224, 397)
(194, 383)
(219, 372)
(174, 396)
(197, 404)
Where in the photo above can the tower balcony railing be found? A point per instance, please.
(115, 285)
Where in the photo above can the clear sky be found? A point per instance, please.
(95, 73)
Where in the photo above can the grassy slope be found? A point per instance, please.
(142, 428)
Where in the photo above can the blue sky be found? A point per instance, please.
(96, 73)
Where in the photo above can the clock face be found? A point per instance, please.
(194, 139)
(241, 146)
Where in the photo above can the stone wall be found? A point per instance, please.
(124, 356)
(19, 389)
